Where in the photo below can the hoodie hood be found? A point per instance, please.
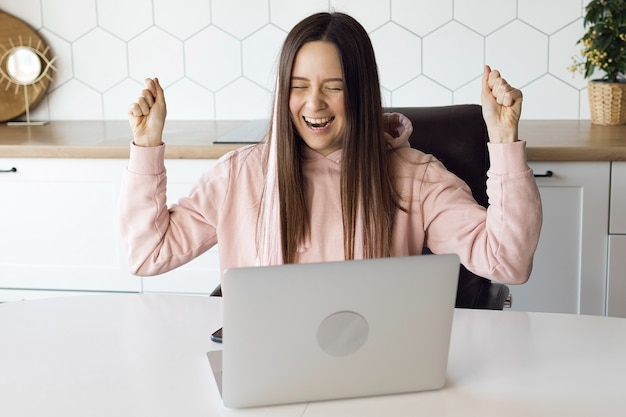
(398, 130)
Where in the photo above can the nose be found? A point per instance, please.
(315, 99)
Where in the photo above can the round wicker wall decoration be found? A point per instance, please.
(16, 95)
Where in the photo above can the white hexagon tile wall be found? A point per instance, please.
(217, 58)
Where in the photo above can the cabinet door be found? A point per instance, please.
(616, 292)
(59, 230)
(616, 298)
(58, 226)
(569, 272)
(618, 199)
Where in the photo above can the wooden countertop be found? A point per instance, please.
(548, 140)
(111, 139)
(573, 140)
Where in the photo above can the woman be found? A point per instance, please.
(336, 179)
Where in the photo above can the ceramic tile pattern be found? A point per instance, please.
(217, 58)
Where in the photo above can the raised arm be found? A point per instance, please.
(498, 243)
(157, 238)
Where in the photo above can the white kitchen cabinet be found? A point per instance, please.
(616, 294)
(569, 273)
(59, 229)
(58, 225)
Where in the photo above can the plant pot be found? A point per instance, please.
(607, 102)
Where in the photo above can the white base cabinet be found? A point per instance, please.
(59, 227)
(59, 230)
(569, 272)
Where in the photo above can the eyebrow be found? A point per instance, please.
(326, 80)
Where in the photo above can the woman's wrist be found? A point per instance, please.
(503, 136)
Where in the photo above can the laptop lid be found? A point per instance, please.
(308, 332)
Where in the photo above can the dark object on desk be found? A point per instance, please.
(216, 336)
(457, 136)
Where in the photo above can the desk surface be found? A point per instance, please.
(145, 355)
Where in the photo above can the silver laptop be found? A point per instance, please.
(308, 332)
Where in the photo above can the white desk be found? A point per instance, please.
(144, 355)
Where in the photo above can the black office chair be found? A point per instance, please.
(457, 136)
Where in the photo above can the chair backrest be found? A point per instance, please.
(457, 136)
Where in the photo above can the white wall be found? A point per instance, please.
(216, 57)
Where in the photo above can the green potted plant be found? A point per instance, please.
(604, 52)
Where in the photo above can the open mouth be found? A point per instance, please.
(320, 123)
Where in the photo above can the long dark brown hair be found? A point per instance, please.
(365, 172)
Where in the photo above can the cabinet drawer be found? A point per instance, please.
(617, 222)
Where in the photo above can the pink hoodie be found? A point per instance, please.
(223, 205)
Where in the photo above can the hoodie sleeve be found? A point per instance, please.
(499, 242)
(157, 238)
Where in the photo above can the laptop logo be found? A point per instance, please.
(342, 333)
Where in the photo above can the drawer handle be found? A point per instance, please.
(9, 170)
(548, 174)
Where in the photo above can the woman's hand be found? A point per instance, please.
(147, 115)
(502, 107)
